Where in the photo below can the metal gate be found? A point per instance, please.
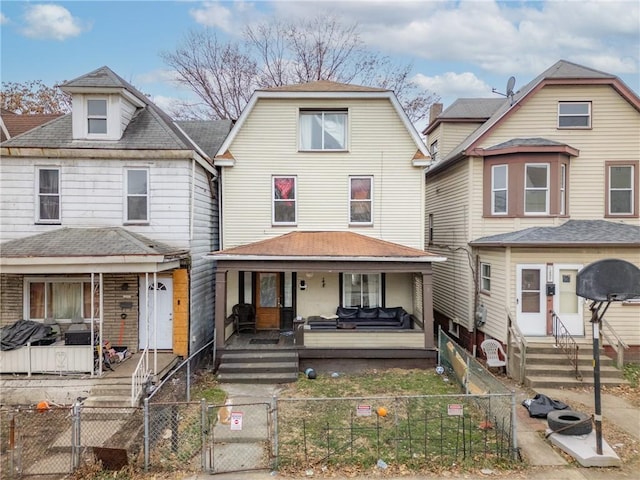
(239, 437)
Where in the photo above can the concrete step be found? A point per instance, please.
(545, 381)
(262, 378)
(108, 401)
(554, 358)
(264, 367)
(567, 371)
(263, 356)
(550, 348)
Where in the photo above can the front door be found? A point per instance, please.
(566, 304)
(530, 299)
(268, 295)
(162, 337)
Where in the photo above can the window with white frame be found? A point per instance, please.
(485, 277)
(360, 200)
(563, 189)
(48, 189)
(621, 194)
(322, 130)
(60, 299)
(536, 189)
(97, 116)
(284, 200)
(574, 115)
(499, 189)
(430, 229)
(137, 195)
(361, 290)
(433, 150)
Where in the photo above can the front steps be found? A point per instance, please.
(549, 367)
(259, 367)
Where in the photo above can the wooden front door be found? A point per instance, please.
(268, 295)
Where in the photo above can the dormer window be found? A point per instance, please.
(97, 116)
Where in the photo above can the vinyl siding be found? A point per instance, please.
(453, 134)
(494, 301)
(448, 199)
(267, 145)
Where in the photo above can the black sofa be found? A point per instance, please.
(376, 318)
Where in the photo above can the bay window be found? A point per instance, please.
(536, 194)
(499, 192)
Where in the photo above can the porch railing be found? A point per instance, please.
(140, 377)
(566, 342)
(614, 341)
(516, 338)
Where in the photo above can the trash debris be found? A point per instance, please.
(381, 464)
(486, 471)
(309, 473)
(310, 373)
(335, 375)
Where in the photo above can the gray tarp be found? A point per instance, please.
(23, 331)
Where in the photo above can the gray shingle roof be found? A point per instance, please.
(526, 142)
(571, 233)
(208, 134)
(91, 242)
(472, 108)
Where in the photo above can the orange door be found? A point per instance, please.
(268, 309)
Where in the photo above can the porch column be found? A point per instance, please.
(427, 308)
(221, 306)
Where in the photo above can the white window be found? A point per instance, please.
(284, 200)
(48, 189)
(536, 189)
(361, 290)
(323, 130)
(621, 195)
(574, 115)
(563, 189)
(360, 200)
(430, 227)
(485, 277)
(137, 195)
(499, 191)
(434, 151)
(60, 299)
(97, 116)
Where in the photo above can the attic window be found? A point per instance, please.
(574, 115)
(97, 116)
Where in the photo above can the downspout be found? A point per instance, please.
(476, 299)
(193, 199)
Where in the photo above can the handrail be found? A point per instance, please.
(618, 347)
(566, 342)
(521, 343)
(139, 377)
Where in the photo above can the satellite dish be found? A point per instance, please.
(510, 84)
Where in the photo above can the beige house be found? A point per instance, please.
(524, 192)
(322, 188)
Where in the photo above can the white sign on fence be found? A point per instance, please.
(363, 411)
(236, 420)
(455, 409)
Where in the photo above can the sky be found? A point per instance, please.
(458, 49)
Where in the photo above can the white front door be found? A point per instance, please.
(566, 304)
(531, 299)
(163, 338)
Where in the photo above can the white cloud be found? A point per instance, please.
(160, 75)
(3, 19)
(51, 22)
(454, 85)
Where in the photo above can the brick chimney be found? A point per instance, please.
(434, 111)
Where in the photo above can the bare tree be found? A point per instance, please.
(277, 53)
(33, 97)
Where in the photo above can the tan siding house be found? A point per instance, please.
(323, 208)
(551, 177)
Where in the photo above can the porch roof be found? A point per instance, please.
(326, 246)
(571, 233)
(88, 249)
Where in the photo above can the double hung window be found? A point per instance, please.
(284, 200)
(574, 115)
(97, 116)
(360, 200)
(485, 277)
(536, 189)
(361, 290)
(621, 189)
(322, 130)
(499, 192)
(137, 195)
(48, 195)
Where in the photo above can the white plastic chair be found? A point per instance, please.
(492, 349)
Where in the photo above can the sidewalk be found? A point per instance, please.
(545, 463)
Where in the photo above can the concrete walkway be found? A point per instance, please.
(544, 461)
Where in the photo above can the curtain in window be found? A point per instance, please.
(284, 199)
(284, 189)
(311, 131)
(334, 131)
(360, 200)
(36, 301)
(49, 195)
(65, 300)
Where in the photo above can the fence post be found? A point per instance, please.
(146, 434)
(75, 436)
(188, 380)
(274, 411)
(204, 432)
(514, 426)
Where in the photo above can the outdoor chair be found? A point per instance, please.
(496, 357)
(244, 317)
